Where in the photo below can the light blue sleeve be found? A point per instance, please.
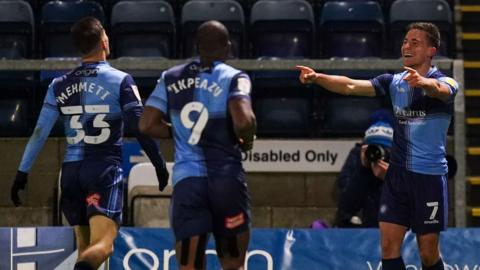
(46, 120)
(158, 98)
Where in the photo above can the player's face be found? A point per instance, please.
(416, 50)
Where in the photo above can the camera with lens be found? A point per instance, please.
(376, 152)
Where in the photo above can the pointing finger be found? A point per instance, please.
(304, 68)
(410, 70)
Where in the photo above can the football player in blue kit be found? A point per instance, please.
(94, 100)
(414, 195)
(208, 105)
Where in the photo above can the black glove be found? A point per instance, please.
(246, 144)
(18, 184)
(162, 176)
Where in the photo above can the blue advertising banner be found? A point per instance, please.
(275, 249)
(269, 249)
(35, 248)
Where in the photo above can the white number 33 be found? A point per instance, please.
(98, 122)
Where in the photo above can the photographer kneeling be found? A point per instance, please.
(361, 178)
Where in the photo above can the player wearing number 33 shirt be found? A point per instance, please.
(93, 101)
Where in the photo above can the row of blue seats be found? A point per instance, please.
(246, 4)
(281, 28)
(177, 5)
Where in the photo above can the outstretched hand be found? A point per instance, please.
(19, 183)
(414, 79)
(307, 75)
(162, 176)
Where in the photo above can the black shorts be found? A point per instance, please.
(91, 187)
(414, 200)
(218, 203)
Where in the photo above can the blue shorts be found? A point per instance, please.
(218, 203)
(91, 187)
(414, 200)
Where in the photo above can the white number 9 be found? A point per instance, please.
(197, 127)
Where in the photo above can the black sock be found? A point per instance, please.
(436, 266)
(393, 264)
(83, 266)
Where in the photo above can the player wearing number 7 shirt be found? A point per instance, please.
(208, 105)
(94, 101)
(414, 195)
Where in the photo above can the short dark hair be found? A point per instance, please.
(433, 34)
(86, 34)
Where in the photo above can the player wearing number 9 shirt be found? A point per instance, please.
(93, 100)
(207, 103)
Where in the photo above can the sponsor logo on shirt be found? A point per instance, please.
(89, 72)
(435, 221)
(403, 113)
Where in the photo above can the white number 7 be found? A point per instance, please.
(435, 209)
(197, 127)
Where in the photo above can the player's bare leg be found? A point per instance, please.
(231, 251)
(190, 252)
(82, 236)
(103, 232)
(391, 242)
(429, 248)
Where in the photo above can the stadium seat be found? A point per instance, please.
(14, 117)
(16, 29)
(143, 28)
(142, 184)
(16, 87)
(57, 19)
(404, 12)
(352, 29)
(229, 12)
(283, 106)
(282, 29)
(348, 116)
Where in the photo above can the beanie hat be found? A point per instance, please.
(379, 133)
